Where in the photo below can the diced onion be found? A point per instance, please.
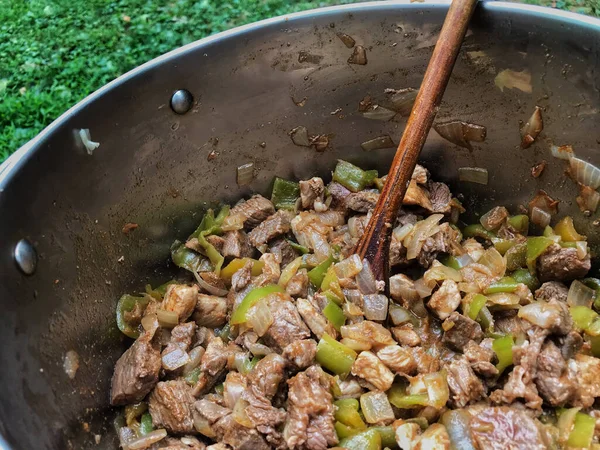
(349, 267)
(147, 440)
(423, 288)
(473, 174)
(239, 413)
(376, 407)
(346, 39)
(175, 359)
(494, 261)
(421, 231)
(86, 138)
(195, 355)
(539, 313)
(191, 441)
(581, 247)
(300, 137)
(403, 100)
(511, 79)
(375, 306)
(379, 113)
(457, 423)
(400, 315)
(259, 349)
(233, 222)
(356, 345)
(464, 260)
(563, 152)
(289, 271)
(214, 290)
(565, 423)
(378, 143)
(167, 319)
(461, 133)
(504, 299)
(150, 322)
(366, 280)
(259, 317)
(494, 218)
(437, 388)
(580, 295)
(400, 232)
(540, 217)
(358, 56)
(532, 128)
(588, 199)
(439, 272)
(245, 174)
(544, 202)
(585, 173)
(202, 426)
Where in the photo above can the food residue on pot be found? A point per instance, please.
(346, 39)
(511, 79)
(359, 56)
(71, 363)
(128, 227)
(536, 170)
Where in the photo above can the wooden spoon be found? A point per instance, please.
(375, 242)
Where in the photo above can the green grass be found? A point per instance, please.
(55, 52)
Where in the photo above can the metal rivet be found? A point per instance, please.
(182, 101)
(25, 257)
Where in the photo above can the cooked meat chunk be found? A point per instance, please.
(512, 324)
(420, 174)
(298, 284)
(181, 299)
(586, 371)
(238, 436)
(219, 446)
(211, 311)
(270, 228)
(460, 330)
(312, 194)
(501, 428)
(552, 290)
(242, 277)
(216, 241)
(362, 201)
(426, 363)
(283, 250)
(175, 356)
(495, 217)
(562, 264)
(350, 388)
(310, 412)
(171, 406)
(409, 436)
(445, 300)
(265, 378)
(287, 324)
(552, 380)
(215, 357)
(210, 410)
(271, 270)
(372, 333)
(236, 245)
(253, 211)
(446, 240)
(137, 370)
(301, 353)
(570, 344)
(182, 335)
(338, 195)
(397, 253)
(234, 385)
(185, 443)
(405, 335)
(553, 316)
(402, 290)
(397, 359)
(440, 197)
(464, 385)
(315, 320)
(370, 368)
(480, 357)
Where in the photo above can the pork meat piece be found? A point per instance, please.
(315, 320)
(553, 316)
(570, 344)
(338, 195)
(406, 335)
(460, 330)
(298, 284)
(370, 368)
(420, 174)
(586, 370)
(426, 363)
(301, 353)
(211, 311)
(312, 194)
(287, 325)
(440, 197)
(215, 358)
(237, 245)
(465, 386)
(362, 201)
(181, 299)
(283, 250)
(137, 370)
(552, 290)
(562, 264)
(445, 300)
(182, 335)
(242, 277)
(253, 211)
(502, 428)
(237, 436)
(397, 253)
(446, 240)
(171, 406)
(310, 421)
(185, 443)
(272, 227)
(370, 332)
(480, 357)
(266, 376)
(397, 359)
(553, 382)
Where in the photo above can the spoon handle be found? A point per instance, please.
(374, 244)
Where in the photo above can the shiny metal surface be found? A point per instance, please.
(152, 168)
(182, 101)
(25, 257)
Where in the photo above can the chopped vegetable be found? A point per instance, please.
(520, 223)
(289, 271)
(245, 174)
(504, 284)
(159, 292)
(583, 431)
(594, 283)
(146, 424)
(457, 423)
(127, 303)
(540, 217)
(511, 79)
(535, 247)
(192, 377)
(335, 356)
(525, 277)
(580, 295)
(334, 314)
(299, 248)
(532, 128)
(167, 319)
(259, 317)
(588, 199)
(188, 259)
(563, 152)
(86, 139)
(400, 399)
(566, 230)
(359, 56)
(477, 175)
(285, 194)
(503, 347)
(352, 177)
(317, 274)
(516, 256)
(585, 173)
(403, 100)
(388, 436)
(378, 143)
(477, 230)
(379, 113)
(583, 317)
(474, 308)
(366, 440)
(344, 431)
(238, 263)
(461, 133)
(376, 407)
(299, 136)
(347, 413)
(239, 315)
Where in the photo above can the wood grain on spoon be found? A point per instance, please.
(374, 244)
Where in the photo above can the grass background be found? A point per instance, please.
(53, 53)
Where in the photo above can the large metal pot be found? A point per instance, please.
(152, 168)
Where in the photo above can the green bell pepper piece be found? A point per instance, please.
(317, 274)
(347, 413)
(475, 306)
(583, 316)
(353, 177)
(400, 399)
(367, 440)
(211, 225)
(525, 277)
(239, 315)
(146, 424)
(485, 319)
(535, 247)
(594, 283)
(299, 248)
(188, 259)
(452, 262)
(344, 431)
(220, 388)
(503, 347)
(192, 377)
(519, 223)
(334, 314)
(583, 431)
(126, 304)
(224, 333)
(335, 356)
(503, 245)
(285, 194)
(516, 256)
(504, 284)
(477, 230)
(595, 345)
(159, 292)
(388, 436)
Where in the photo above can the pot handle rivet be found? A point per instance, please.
(25, 257)
(182, 101)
